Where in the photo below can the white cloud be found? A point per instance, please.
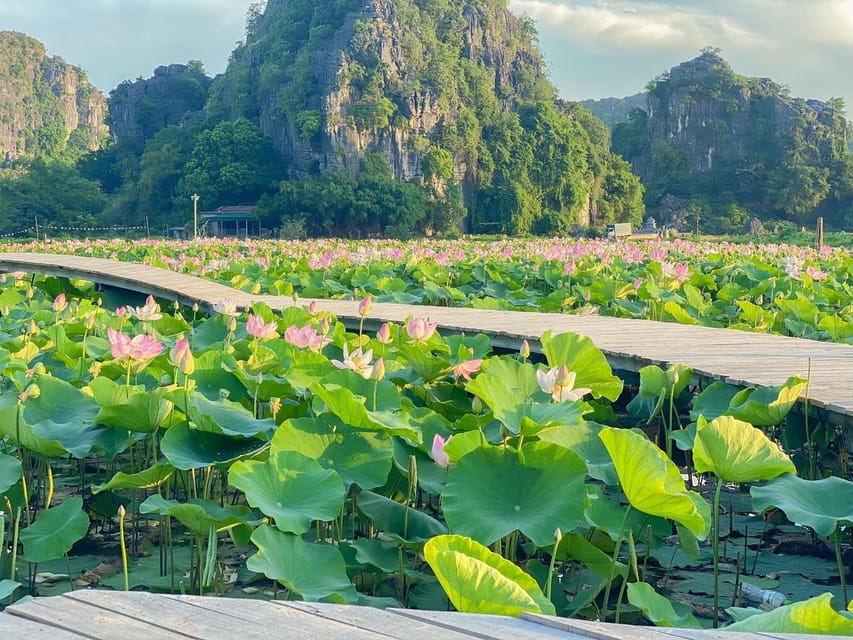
(630, 25)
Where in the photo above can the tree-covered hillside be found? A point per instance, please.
(48, 108)
(717, 148)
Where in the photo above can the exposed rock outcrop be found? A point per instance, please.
(46, 104)
(139, 109)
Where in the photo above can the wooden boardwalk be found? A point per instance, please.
(742, 358)
(136, 615)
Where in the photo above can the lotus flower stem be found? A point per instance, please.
(841, 569)
(121, 514)
(558, 536)
(614, 560)
(16, 530)
(715, 549)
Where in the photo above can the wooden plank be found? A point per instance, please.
(14, 627)
(289, 621)
(175, 615)
(488, 626)
(377, 621)
(608, 631)
(90, 622)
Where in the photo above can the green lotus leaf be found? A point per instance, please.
(66, 415)
(213, 370)
(10, 472)
(7, 588)
(659, 609)
(510, 389)
(574, 546)
(228, 418)
(406, 525)
(383, 554)
(358, 457)
(291, 488)
(714, 400)
(152, 477)
(815, 616)
(580, 355)
(652, 482)
(478, 580)
(819, 504)
(656, 386)
(198, 515)
(314, 571)
(142, 412)
(582, 438)
(352, 411)
(55, 531)
(494, 491)
(188, 448)
(19, 432)
(766, 405)
(735, 451)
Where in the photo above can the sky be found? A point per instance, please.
(594, 48)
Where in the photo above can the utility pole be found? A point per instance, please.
(195, 198)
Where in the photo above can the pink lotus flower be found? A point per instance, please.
(437, 452)
(305, 338)
(679, 271)
(815, 274)
(465, 369)
(379, 369)
(181, 357)
(384, 334)
(365, 306)
(139, 348)
(357, 361)
(59, 303)
(420, 330)
(560, 382)
(256, 327)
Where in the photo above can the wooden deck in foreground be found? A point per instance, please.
(741, 358)
(118, 615)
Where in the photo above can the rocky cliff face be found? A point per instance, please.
(374, 84)
(613, 111)
(710, 115)
(46, 104)
(139, 109)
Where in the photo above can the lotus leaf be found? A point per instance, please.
(10, 472)
(657, 385)
(152, 477)
(359, 457)
(494, 491)
(188, 448)
(819, 504)
(198, 515)
(406, 525)
(55, 531)
(659, 609)
(653, 483)
(766, 405)
(12, 425)
(291, 488)
(580, 355)
(735, 451)
(314, 571)
(815, 616)
(228, 418)
(714, 400)
(479, 581)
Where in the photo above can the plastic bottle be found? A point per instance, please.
(757, 595)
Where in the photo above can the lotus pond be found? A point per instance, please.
(781, 289)
(280, 455)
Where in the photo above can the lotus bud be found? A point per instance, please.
(437, 452)
(384, 334)
(365, 306)
(477, 405)
(182, 358)
(89, 322)
(564, 377)
(232, 325)
(313, 307)
(195, 307)
(59, 303)
(30, 293)
(378, 369)
(524, 352)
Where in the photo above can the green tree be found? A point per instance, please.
(233, 163)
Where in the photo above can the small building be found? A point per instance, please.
(238, 221)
